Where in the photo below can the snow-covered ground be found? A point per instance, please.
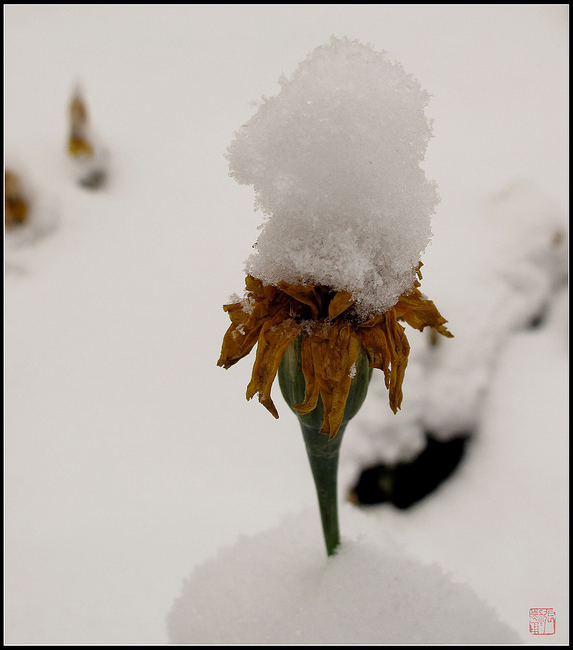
(131, 458)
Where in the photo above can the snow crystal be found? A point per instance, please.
(279, 588)
(334, 160)
(248, 304)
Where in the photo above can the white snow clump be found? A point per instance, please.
(334, 160)
(278, 588)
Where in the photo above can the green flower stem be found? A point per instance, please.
(323, 457)
(322, 452)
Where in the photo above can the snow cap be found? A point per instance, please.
(334, 160)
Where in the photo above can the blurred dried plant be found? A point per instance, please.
(16, 206)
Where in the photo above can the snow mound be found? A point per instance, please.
(334, 160)
(279, 588)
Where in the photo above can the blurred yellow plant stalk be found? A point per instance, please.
(88, 158)
(79, 142)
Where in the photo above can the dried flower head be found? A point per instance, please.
(332, 336)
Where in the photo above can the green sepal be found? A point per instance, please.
(292, 384)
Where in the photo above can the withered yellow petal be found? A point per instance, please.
(273, 341)
(340, 389)
(305, 294)
(311, 389)
(400, 351)
(237, 343)
(271, 317)
(339, 304)
(375, 344)
(419, 312)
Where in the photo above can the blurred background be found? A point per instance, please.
(130, 457)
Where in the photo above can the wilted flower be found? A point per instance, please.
(335, 162)
(332, 337)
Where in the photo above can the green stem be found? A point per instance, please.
(322, 452)
(323, 457)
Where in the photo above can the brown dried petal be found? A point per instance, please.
(339, 304)
(340, 388)
(273, 340)
(331, 347)
(311, 390)
(304, 294)
(419, 312)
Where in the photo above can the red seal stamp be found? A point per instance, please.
(542, 620)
